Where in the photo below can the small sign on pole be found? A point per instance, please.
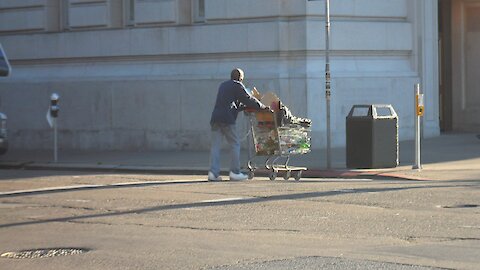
(420, 104)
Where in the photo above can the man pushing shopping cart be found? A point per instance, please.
(232, 97)
(280, 134)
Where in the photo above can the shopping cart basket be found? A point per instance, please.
(277, 142)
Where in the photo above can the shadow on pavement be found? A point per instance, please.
(251, 200)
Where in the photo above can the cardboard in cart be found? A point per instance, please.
(271, 100)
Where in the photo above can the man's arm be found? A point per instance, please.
(248, 100)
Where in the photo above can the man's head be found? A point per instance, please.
(237, 75)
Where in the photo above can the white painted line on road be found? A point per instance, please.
(226, 200)
(48, 189)
(81, 201)
(470, 227)
(343, 180)
(52, 189)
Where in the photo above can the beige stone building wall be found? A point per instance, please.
(143, 74)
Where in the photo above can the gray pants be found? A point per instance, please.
(229, 132)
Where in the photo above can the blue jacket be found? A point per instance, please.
(232, 97)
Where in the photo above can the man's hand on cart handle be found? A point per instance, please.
(267, 108)
(264, 108)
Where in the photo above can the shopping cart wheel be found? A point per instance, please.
(273, 175)
(298, 175)
(250, 165)
(251, 174)
(287, 175)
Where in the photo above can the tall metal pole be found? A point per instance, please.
(327, 79)
(418, 164)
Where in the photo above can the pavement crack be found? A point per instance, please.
(67, 207)
(32, 205)
(367, 205)
(185, 227)
(412, 239)
(77, 208)
(447, 239)
(230, 230)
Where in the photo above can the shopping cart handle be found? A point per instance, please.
(250, 110)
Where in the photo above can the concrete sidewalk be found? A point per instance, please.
(447, 157)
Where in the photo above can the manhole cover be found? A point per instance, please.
(43, 253)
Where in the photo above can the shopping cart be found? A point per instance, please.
(277, 141)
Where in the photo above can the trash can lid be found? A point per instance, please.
(360, 111)
(383, 111)
(375, 111)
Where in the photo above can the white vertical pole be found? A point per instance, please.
(327, 79)
(417, 164)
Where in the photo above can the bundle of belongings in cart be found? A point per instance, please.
(283, 114)
(280, 132)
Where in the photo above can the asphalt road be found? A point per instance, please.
(139, 221)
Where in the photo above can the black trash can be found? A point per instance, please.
(372, 137)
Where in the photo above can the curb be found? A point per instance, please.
(313, 173)
(113, 168)
(14, 164)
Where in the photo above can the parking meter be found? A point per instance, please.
(54, 107)
(3, 134)
(52, 115)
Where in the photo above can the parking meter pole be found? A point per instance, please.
(417, 165)
(53, 112)
(55, 147)
(327, 79)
